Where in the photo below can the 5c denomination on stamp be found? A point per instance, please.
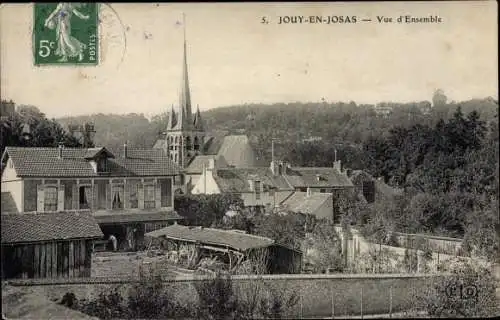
(65, 34)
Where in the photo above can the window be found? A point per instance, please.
(257, 190)
(102, 165)
(101, 194)
(149, 196)
(322, 190)
(117, 197)
(85, 197)
(133, 200)
(166, 193)
(50, 199)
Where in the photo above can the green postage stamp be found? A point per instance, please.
(65, 33)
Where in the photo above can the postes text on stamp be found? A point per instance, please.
(65, 34)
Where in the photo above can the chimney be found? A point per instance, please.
(125, 150)
(309, 192)
(61, 147)
(275, 168)
(211, 166)
(337, 165)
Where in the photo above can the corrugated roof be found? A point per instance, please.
(234, 239)
(37, 227)
(317, 177)
(237, 179)
(196, 166)
(135, 215)
(44, 162)
(301, 203)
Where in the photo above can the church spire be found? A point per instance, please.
(185, 95)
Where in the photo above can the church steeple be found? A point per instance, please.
(185, 119)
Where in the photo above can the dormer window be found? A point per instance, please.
(102, 165)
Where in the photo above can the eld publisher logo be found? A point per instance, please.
(461, 291)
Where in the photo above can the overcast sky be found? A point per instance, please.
(234, 58)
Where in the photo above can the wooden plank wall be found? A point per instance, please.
(65, 259)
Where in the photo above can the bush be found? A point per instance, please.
(468, 292)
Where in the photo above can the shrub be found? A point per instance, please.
(468, 292)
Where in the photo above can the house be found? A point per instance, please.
(195, 169)
(257, 186)
(317, 204)
(371, 189)
(232, 247)
(48, 245)
(128, 194)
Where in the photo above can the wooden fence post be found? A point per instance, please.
(390, 302)
(361, 302)
(333, 306)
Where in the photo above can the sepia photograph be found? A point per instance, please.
(281, 160)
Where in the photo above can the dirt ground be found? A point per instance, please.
(32, 303)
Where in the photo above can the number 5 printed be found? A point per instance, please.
(45, 48)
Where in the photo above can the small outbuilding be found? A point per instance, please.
(234, 248)
(48, 245)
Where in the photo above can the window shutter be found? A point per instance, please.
(75, 196)
(40, 196)
(109, 200)
(60, 198)
(140, 195)
(95, 198)
(126, 196)
(158, 195)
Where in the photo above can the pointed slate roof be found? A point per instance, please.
(172, 119)
(198, 123)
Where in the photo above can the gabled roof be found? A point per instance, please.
(196, 166)
(236, 149)
(317, 177)
(37, 227)
(237, 179)
(45, 162)
(92, 153)
(300, 202)
(234, 239)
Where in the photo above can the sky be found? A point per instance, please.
(234, 59)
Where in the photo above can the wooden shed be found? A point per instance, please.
(52, 245)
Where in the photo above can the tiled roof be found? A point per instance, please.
(44, 162)
(8, 203)
(237, 179)
(135, 215)
(196, 166)
(317, 177)
(234, 239)
(300, 202)
(37, 227)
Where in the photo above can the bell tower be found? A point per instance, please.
(185, 134)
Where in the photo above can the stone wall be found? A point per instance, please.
(319, 295)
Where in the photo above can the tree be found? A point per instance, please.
(206, 210)
(287, 228)
(439, 98)
(324, 246)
